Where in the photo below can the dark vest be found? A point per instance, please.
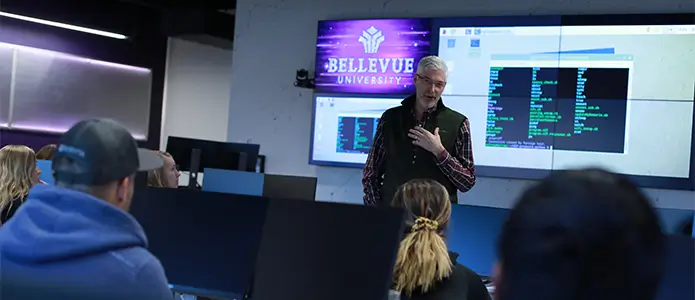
(405, 161)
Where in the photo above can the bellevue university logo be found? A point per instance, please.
(371, 39)
(369, 69)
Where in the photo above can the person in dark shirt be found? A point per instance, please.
(580, 235)
(76, 239)
(425, 269)
(421, 138)
(18, 173)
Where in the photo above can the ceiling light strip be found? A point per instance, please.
(64, 26)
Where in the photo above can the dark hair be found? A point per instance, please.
(423, 258)
(586, 234)
(46, 152)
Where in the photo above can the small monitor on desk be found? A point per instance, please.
(233, 182)
(217, 155)
(257, 184)
(314, 250)
(289, 187)
(207, 242)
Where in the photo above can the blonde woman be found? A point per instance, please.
(18, 173)
(425, 269)
(167, 176)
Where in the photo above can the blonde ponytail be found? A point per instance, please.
(423, 258)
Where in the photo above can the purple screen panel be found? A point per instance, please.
(370, 56)
(33, 140)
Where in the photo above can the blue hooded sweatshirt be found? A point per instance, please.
(64, 244)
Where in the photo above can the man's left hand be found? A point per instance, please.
(425, 139)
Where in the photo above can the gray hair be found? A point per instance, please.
(432, 62)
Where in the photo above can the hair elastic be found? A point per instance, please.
(425, 223)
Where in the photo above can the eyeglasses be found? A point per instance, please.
(428, 81)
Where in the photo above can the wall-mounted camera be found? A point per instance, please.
(302, 80)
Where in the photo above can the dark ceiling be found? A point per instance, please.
(225, 5)
(181, 18)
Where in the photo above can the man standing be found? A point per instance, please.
(76, 240)
(422, 138)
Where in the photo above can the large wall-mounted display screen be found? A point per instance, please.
(557, 97)
(551, 93)
(370, 56)
(344, 128)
